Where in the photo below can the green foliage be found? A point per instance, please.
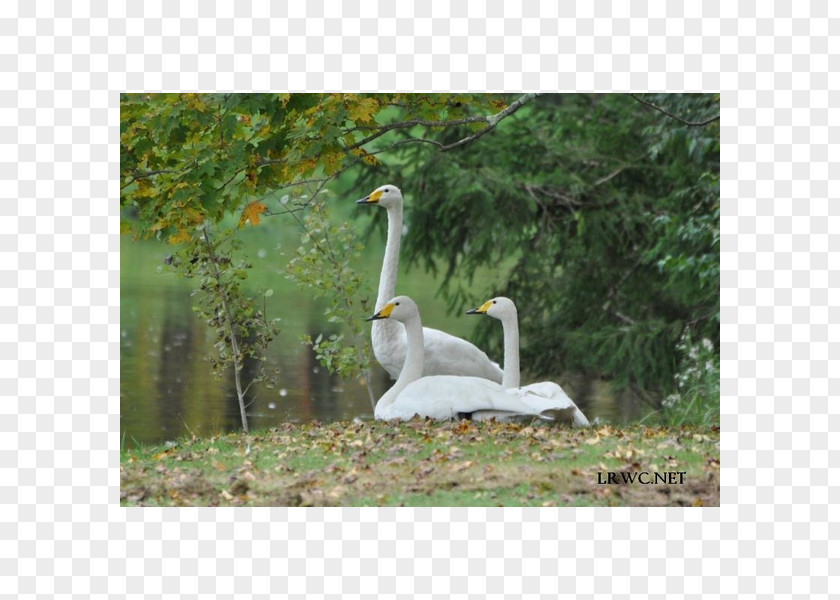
(240, 327)
(697, 396)
(602, 216)
(323, 265)
(185, 158)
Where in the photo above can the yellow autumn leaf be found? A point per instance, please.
(181, 236)
(196, 102)
(362, 110)
(252, 213)
(145, 190)
(193, 216)
(332, 161)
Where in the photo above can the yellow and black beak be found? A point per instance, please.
(481, 309)
(382, 314)
(372, 198)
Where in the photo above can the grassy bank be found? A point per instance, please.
(423, 463)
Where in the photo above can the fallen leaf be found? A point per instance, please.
(352, 476)
(457, 467)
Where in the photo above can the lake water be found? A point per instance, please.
(166, 386)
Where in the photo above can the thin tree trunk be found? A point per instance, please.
(237, 364)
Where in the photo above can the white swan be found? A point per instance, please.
(444, 354)
(445, 396)
(504, 310)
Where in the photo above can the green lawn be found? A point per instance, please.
(424, 463)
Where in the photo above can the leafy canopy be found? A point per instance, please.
(187, 158)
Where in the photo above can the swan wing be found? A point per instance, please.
(548, 397)
(445, 397)
(446, 354)
(443, 354)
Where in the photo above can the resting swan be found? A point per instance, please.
(444, 354)
(504, 309)
(445, 396)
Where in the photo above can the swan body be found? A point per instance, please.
(444, 397)
(504, 310)
(444, 354)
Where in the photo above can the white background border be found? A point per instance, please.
(63, 532)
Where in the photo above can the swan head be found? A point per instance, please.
(498, 308)
(386, 195)
(401, 308)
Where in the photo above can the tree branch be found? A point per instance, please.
(143, 174)
(673, 116)
(606, 178)
(492, 121)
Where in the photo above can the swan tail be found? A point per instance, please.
(567, 414)
(579, 419)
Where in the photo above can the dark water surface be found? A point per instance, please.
(166, 386)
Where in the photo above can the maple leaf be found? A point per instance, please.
(193, 216)
(252, 213)
(182, 236)
(362, 111)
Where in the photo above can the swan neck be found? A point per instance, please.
(390, 264)
(510, 375)
(413, 367)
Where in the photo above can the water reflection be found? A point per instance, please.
(166, 386)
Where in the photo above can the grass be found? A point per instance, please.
(424, 463)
